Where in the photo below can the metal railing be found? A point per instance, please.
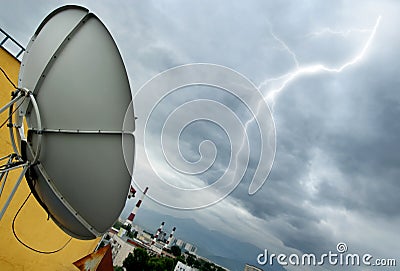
(7, 37)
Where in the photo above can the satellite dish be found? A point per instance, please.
(76, 92)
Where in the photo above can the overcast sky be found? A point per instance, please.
(328, 71)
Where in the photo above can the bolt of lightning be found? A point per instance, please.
(338, 32)
(284, 45)
(312, 69)
(300, 71)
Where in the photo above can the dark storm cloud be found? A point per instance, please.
(325, 113)
(369, 159)
(350, 119)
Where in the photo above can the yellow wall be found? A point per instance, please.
(31, 224)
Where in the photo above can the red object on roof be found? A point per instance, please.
(100, 260)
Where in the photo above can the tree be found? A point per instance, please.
(131, 234)
(129, 262)
(138, 261)
(197, 264)
(169, 264)
(161, 264)
(176, 251)
(155, 264)
(127, 227)
(190, 260)
(118, 225)
(206, 266)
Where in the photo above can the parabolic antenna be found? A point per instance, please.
(77, 92)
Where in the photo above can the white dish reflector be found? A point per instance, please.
(76, 74)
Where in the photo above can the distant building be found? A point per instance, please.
(121, 232)
(120, 250)
(162, 236)
(144, 237)
(172, 242)
(249, 267)
(184, 246)
(180, 243)
(183, 267)
(190, 248)
(157, 247)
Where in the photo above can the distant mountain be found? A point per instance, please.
(215, 246)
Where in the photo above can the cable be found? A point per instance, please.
(8, 78)
(27, 246)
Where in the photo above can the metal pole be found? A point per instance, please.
(10, 103)
(13, 191)
(4, 174)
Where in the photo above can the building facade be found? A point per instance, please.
(183, 267)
